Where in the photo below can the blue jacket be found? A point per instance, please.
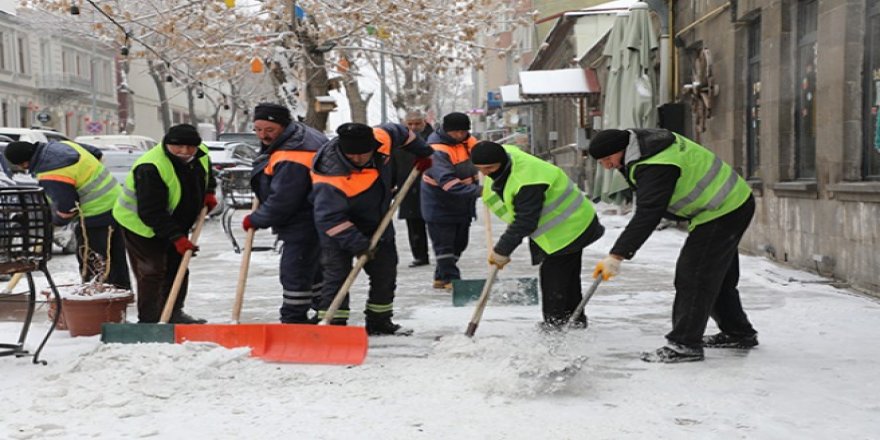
(350, 201)
(52, 156)
(450, 187)
(282, 182)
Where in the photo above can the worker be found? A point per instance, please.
(161, 199)
(539, 201)
(449, 192)
(78, 184)
(676, 177)
(410, 207)
(282, 182)
(352, 182)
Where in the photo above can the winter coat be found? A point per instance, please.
(449, 187)
(282, 182)
(56, 155)
(411, 206)
(350, 201)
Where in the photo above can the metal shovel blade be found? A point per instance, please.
(507, 291)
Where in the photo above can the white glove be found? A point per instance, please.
(607, 267)
(498, 260)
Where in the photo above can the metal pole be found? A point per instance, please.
(384, 104)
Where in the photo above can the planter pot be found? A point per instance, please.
(84, 317)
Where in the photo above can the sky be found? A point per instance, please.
(813, 376)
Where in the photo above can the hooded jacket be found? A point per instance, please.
(411, 206)
(449, 187)
(281, 180)
(350, 201)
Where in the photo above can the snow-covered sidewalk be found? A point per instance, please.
(813, 376)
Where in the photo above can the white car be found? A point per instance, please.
(32, 134)
(231, 154)
(118, 142)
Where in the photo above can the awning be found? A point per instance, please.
(561, 83)
(510, 94)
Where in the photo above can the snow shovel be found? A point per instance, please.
(243, 269)
(487, 287)
(374, 241)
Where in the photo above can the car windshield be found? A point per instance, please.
(247, 138)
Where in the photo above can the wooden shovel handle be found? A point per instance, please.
(243, 269)
(181, 270)
(481, 304)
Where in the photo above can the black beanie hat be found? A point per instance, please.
(456, 121)
(607, 142)
(268, 111)
(183, 134)
(355, 138)
(488, 153)
(19, 152)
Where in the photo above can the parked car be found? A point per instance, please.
(32, 134)
(231, 154)
(246, 138)
(119, 142)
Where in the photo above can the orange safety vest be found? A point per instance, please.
(359, 180)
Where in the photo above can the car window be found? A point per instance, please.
(14, 137)
(53, 137)
(244, 152)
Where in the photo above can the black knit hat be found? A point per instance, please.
(19, 152)
(607, 142)
(456, 121)
(355, 138)
(268, 111)
(488, 153)
(183, 134)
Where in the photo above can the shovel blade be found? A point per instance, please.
(130, 333)
(507, 291)
(297, 343)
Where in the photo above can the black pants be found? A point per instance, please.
(560, 277)
(418, 239)
(300, 276)
(449, 241)
(382, 270)
(154, 262)
(706, 278)
(98, 237)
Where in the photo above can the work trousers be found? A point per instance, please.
(299, 275)
(449, 241)
(418, 239)
(706, 279)
(560, 277)
(154, 262)
(336, 264)
(97, 243)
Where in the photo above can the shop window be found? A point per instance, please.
(805, 111)
(871, 149)
(753, 101)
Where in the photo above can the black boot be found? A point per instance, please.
(384, 326)
(181, 317)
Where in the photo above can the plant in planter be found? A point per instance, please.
(84, 307)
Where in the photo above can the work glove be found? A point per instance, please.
(183, 244)
(498, 260)
(423, 163)
(246, 223)
(607, 267)
(210, 201)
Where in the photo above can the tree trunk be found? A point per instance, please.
(191, 106)
(357, 103)
(123, 97)
(164, 108)
(317, 85)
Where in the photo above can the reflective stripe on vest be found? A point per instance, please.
(566, 213)
(126, 209)
(95, 187)
(707, 188)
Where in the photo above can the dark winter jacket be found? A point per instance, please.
(350, 201)
(527, 206)
(656, 185)
(449, 187)
(411, 206)
(152, 194)
(52, 156)
(281, 180)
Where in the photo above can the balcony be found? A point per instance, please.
(64, 83)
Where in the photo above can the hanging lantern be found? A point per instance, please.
(230, 3)
(256, 65)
